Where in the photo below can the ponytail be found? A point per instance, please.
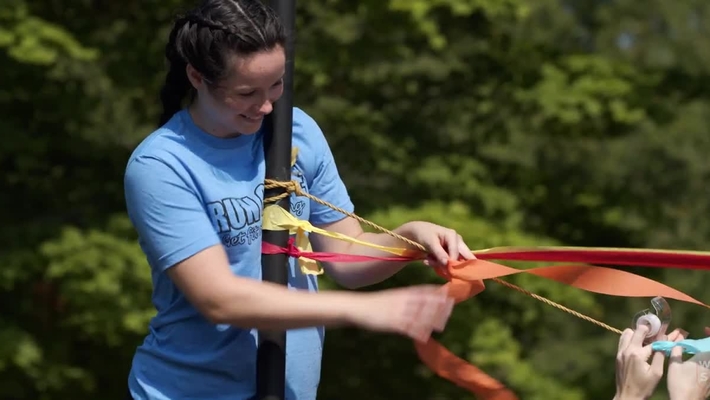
(176, 85)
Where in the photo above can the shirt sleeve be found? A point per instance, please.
(170, 219)
(326, 184)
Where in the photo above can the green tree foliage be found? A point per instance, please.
(517, 122)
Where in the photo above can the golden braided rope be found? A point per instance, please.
(294, 187)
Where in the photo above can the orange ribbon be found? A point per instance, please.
(466, 280)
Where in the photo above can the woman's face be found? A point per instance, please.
(239, 103)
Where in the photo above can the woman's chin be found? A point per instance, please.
(248, 126)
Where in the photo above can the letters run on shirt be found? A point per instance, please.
(238, 219)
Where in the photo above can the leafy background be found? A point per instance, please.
(517, 122)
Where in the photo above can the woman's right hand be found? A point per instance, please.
(414, 311)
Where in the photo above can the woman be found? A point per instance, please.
(194, 191)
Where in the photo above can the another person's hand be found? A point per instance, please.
(414, 311)
(636, 378)
(689, 380)
(443, 244)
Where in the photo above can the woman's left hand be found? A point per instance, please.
(443, 244)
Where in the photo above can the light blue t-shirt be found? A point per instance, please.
(187, 190)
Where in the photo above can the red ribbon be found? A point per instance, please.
(605, 256)
(293, 251)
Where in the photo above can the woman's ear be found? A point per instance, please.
(194, 76)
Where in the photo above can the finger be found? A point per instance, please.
(625, 338)
(677, 335)
(452, 245)
(444, 315)
(676, 358)
(707, 330)
(410, 319)
(413, 317)
(438, 254)
(464, 251)
(638, 336)
(416, 334)
(428, 316)
(445, 311)
(445, 307)
(441, 270)
(657, 364)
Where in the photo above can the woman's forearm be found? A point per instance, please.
(359, 274)
(224, 298)
(263, 305)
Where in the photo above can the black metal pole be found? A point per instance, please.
(271, 354)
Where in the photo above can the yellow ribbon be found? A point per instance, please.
(276, 218)
(294, 155)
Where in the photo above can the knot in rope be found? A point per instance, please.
(288, 186)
